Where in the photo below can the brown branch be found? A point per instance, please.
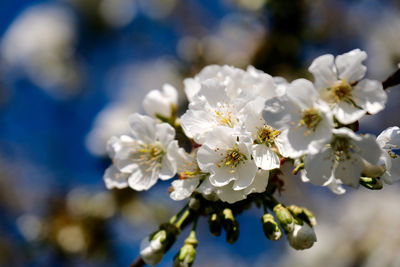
(392, 80)
(138, 262)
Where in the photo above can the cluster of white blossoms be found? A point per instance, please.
(245, 123)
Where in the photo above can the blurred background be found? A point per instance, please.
(71, 71)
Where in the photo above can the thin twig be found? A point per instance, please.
(392, 80)
(138, 262)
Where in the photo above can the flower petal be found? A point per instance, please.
(265, 158)
(347, 113)
(369, 94)
(349, 170)
(324, 71)
(349, 65)
(184, 188)
(143, 127)
(319, 166)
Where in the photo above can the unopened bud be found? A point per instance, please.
(371, 183)
(303, 213)
(187, 253)
(284, 217)
(215, 224)
(231, 226)
(171, 234)
(270, 227)
(310, 216)
(152, 249)
(302, 237)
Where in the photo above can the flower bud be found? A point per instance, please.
(161, 103)
(231, 226)
(215, 224)
(371, 183)
(302, 237)
(284, 217)
(152, 249)
(187, 253)
(303, 213)
(270, 227)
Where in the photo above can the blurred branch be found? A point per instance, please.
(392, 80)
(138, 262)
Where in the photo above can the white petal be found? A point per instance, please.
(349, 65)
(349, 170)
(164, 133)
(246, 171)
(192, 87)
(278, 112)
(369, 94)
(197, 124)
(113, 178)
(324, 71)
(184, 188)
(228, 195)
(142, 127)
(265, 158)
(303, 93)
(389, 138)
(347, 113)
(207, 158)
(335, 186)
(141, 180)
(161, 102)
(259, 183)
(168, 168)
(368, 149)
(393, 175)
(319, 166)
(222, 176)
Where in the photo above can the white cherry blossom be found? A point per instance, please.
(267, 140)
(303, 120)
(226, 155)
(339, 83)
(162, 103)
(228, 194)
(139, 161)
(189, 173)
(389, 141)
(211, 108)
(344, 159)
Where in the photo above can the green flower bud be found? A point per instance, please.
(270, 227)
(231, 226)
(371, 183)
(233, 234)
(284, 218)
(310, 216)
(304, 214)
(215, 224)
(187, 253)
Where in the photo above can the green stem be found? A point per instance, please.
(182, 219)
(173, 218)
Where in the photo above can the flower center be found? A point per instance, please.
(266, 135)
(311, 119)
(189, 169)
(341, 91)
(149, 154)
(225, 116)
(232, 159)
(342, 147)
